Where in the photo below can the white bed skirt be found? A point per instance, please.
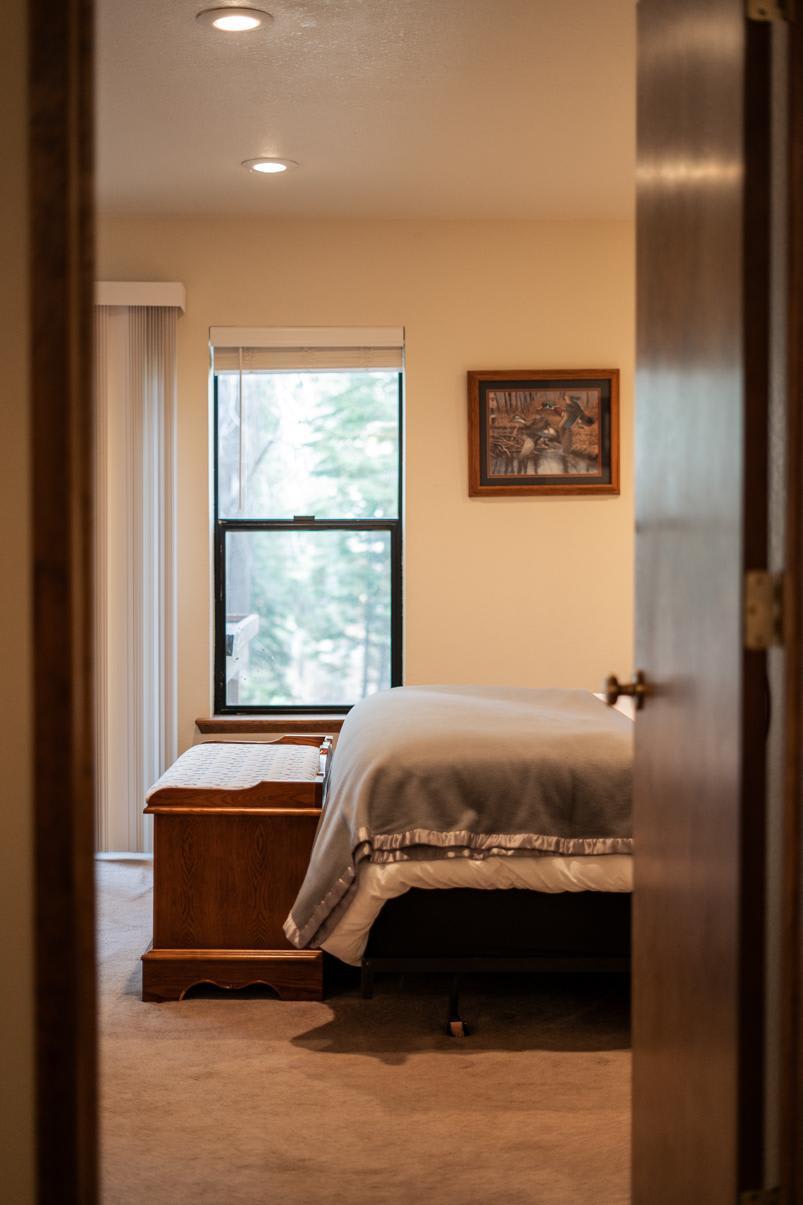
(380, 882)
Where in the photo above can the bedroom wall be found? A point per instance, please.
(522, 591)
(17, 1120)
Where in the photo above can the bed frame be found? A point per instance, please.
(462, 930)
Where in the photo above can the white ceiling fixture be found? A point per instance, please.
(234, 20)
(269, 166)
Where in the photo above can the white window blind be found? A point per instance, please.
(135, 637)
(293, 348)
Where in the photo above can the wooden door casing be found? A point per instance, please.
(60, 37)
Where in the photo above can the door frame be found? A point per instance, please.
(61, 270)
(61, 267)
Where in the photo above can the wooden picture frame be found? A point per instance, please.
(543, 431)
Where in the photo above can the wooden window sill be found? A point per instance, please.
(313, 724)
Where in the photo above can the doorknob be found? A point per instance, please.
(637, 689)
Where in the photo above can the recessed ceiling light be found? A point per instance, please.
(234, 20)
(269, 166)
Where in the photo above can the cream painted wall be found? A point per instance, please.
(16, 847)
(525, 591)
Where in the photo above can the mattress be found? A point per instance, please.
(379, 882)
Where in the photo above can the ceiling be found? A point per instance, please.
(393, 108)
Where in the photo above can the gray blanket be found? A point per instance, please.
(465, 771)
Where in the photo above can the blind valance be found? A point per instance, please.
(153, 293)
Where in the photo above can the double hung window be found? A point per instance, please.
(307, 448)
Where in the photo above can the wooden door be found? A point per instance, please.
(791, 842)
(702, 358)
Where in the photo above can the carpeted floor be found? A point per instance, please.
(240, 1100)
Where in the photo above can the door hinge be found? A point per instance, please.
(763, 609)
(770, 10)
(760, 1196)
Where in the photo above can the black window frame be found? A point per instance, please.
(306, 523)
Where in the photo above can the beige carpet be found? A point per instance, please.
(239, 1100)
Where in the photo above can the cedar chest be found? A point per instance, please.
(233, 829)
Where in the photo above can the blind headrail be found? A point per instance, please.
(295, 359)
(306, 338)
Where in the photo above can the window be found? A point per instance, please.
(307, 518)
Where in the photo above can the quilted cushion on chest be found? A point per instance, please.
(231, 767)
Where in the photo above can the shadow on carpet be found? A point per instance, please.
(507, 1013)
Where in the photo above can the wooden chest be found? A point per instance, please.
(233, 830)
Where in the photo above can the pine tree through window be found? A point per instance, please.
(308, 533)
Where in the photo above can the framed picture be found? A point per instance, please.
(543, 432)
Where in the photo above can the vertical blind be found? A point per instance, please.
(136, 675)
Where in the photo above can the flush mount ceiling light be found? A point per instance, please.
(234, 20)
(269, 166)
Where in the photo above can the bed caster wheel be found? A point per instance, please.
(455, 1026)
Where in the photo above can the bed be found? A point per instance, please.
(469, 828)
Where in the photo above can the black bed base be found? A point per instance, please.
(464, 931)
